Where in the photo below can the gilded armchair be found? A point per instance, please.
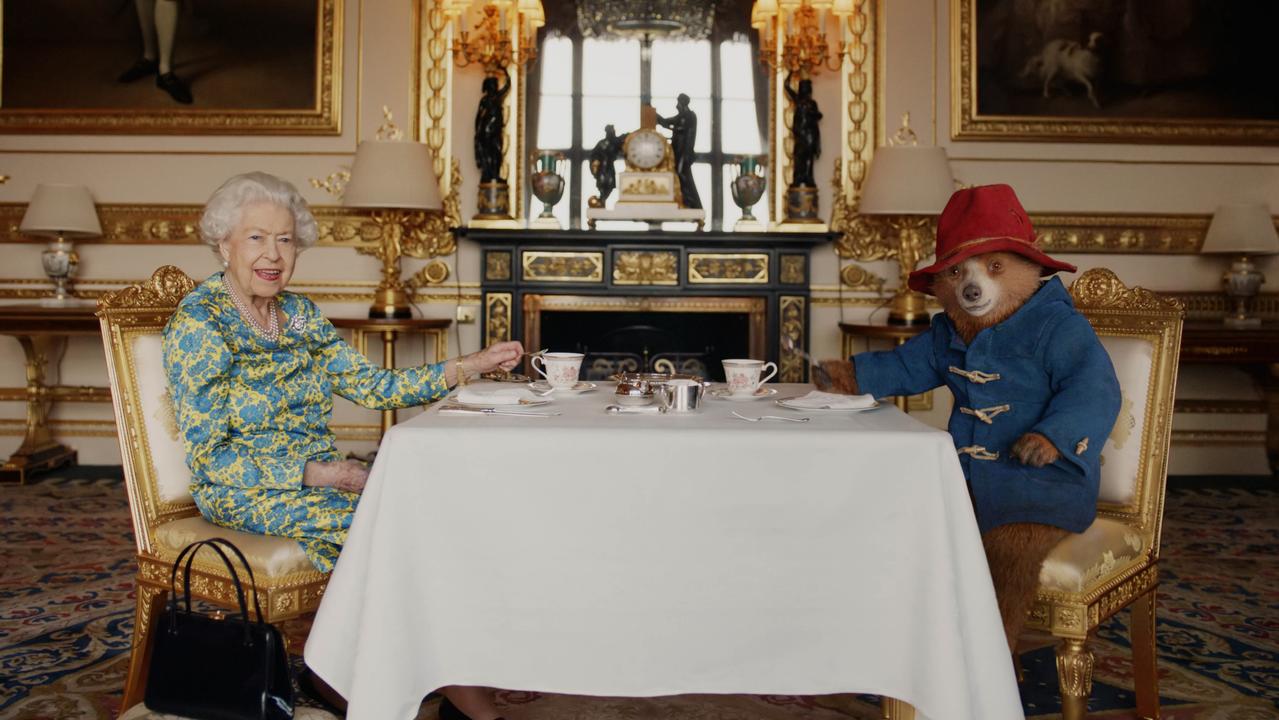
(165, 518)
(1114, 563)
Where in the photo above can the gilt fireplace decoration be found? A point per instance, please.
(629, 298)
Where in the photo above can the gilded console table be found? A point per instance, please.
(390, 329)
(1257, 349)
(43, 332)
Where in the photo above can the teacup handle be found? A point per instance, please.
(770, 375)
(540, 370)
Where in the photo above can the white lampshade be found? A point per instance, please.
(1242, 228)
(61, 210)
(907, 180)
(393, 174)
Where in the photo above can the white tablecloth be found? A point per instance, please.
(641, 555)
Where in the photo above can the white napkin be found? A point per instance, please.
(818, 400)
(500, 396)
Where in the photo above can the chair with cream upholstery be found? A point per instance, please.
(165, 518)
(1114, 563)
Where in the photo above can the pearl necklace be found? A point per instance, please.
(272, 330)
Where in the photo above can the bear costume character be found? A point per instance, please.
(1035, 392)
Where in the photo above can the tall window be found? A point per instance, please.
(587, 84)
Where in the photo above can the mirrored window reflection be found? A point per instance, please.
(556, 128)
(616, 77)
(682, 66)
(611, 68)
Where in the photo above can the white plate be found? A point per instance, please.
(522, 403)
(723, 393)
(783, 403)
(541, 386)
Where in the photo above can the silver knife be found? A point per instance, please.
(495, 411)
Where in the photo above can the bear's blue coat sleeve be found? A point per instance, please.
(1085, 393)
(908, 370)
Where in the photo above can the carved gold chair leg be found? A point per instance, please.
(151, 599)
(1074, 676)
(1144, 665)
(894, 709)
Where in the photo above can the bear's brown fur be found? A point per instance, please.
(1015, 552)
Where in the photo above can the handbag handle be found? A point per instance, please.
(188, 553)
(214, 543)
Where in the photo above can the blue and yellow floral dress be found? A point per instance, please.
(252, 413)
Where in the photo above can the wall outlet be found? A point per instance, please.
(465, 315)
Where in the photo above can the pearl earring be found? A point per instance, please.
(226, 263)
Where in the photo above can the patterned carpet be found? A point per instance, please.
(66, 614)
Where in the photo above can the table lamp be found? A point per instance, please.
(1242, 229)
(909, 185)
(396, 179)
(61, 212)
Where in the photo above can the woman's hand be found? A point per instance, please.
(504, 355)
(346, 475)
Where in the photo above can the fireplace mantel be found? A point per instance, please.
(522, 268)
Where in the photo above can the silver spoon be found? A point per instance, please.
(771, 417)
(823, 377)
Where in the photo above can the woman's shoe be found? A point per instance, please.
(328, 698)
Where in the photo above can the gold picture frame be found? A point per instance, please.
(997, 87)
(318, 112)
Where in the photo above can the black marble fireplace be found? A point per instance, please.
(628, 299)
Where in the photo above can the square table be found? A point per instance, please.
(643, 555)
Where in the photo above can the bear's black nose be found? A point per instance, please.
(972, 292)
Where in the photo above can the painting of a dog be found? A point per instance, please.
(1180, 71)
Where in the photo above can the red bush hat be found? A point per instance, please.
(983, 219)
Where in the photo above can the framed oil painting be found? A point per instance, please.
(1174, 71)
(229, 67)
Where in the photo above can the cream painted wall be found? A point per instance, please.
(379, 70)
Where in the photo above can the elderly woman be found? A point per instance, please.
(252, 369)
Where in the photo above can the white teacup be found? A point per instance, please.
(743, 376)
(559, 368)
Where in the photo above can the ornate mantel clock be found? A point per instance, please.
(648, 188)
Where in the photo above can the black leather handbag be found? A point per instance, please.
(209, 668)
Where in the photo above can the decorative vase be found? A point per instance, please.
(748, 187)
(60, 261)
(548, 186)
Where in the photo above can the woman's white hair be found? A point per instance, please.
(222, 211)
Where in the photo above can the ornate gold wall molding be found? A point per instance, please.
(319, 291)
(864, 239)
(170, 224)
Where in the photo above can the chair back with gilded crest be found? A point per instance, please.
(155, 469)
(1142, 334)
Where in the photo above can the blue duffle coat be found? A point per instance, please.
(1041, 370)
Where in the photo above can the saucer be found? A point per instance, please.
(723, 393)
(524, 402)
(784, 403)
(541, 386)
